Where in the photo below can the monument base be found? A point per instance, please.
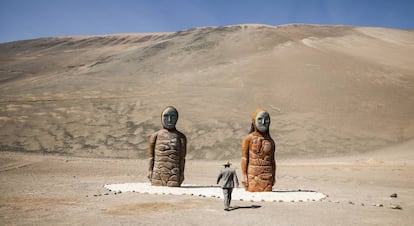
(216, 192)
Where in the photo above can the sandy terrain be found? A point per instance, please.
(341, 100)
(329, 90)
(56, 190)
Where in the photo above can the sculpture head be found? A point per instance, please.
(260, 121)
(169, 117)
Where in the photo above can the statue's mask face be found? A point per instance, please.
(169, 118)
(262, 121)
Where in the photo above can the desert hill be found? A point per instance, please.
(330, 90)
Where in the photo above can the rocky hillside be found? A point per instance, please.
(330, 90)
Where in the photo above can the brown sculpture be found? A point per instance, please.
(167, 150)
(258, 155)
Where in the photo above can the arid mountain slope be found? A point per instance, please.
(330, 90)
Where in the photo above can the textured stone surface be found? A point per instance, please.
(167, 151)
(258, 158)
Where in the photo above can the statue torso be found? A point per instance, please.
(260, 163)
(167, 159)
(260, 151)
(168, 144)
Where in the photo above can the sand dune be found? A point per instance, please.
(330, 90)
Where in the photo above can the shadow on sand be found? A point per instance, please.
(200, 186)
(217, 186)
(243, 207)
(299, 190)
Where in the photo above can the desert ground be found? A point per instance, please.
(76, 113)
(57, 190)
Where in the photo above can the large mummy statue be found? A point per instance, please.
(258, 155)
(167, 150)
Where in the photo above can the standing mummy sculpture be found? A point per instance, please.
(258, 155)
(167, 151)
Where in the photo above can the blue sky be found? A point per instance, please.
(27, 19)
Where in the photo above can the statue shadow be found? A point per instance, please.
(217, 186)
(288, 191)
(244, 207)
(200, 186)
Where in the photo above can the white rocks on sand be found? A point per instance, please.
(216, 192)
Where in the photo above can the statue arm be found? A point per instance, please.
(151, 149)
(245, 160)
(274, 163)
(183, 154)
